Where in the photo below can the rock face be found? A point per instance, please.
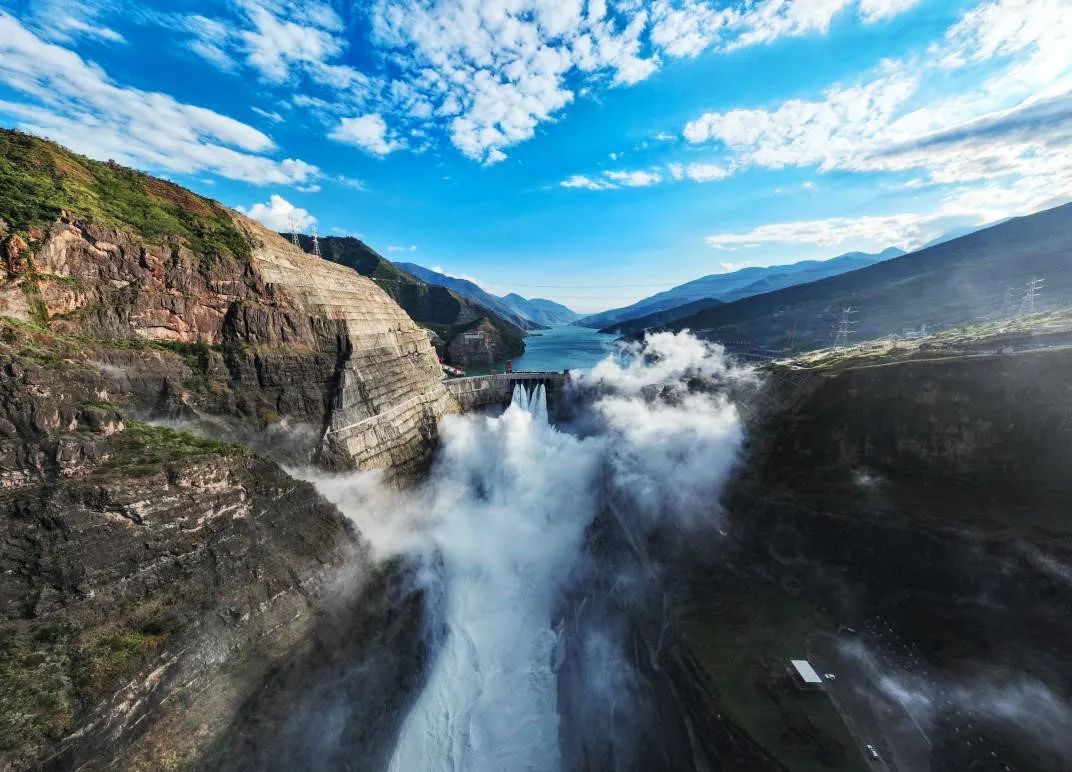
(138, 563)
(283, 335)
(152, 581)
(932, 495)
(448, 314)
(388, 393)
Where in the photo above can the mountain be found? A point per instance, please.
(950, 284)
(154, 579)
(738, 284)
(472, 291)
(961, 230)
(540, 310)
(467, 331)
(662, 318)
(528, 314)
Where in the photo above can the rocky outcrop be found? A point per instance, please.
(447, 313)
(283, 336)
(930, 494)
(153, 581)
(483, 343)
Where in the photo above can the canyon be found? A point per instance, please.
(194, 577)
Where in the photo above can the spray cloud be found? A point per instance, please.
(499, 528)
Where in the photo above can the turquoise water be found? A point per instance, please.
(564, 348)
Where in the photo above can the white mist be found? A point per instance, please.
(512, 499)
(500, 524)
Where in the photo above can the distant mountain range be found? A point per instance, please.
(528, 314)
(728, 287)
(950, 284)
(442, 310)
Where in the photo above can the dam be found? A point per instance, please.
(479, 391)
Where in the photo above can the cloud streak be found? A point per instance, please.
(75, 103)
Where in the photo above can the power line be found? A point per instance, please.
(589, 286)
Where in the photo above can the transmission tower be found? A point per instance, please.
(1031, 292)
(844, 328)
(294, 231)
(316, 243)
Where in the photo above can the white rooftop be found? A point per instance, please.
(806, 671)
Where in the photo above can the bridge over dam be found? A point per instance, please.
(477, 391)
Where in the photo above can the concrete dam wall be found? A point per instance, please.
(480, 391)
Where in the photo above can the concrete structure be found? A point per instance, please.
(389, 392)
(804, 674)
(479, 391)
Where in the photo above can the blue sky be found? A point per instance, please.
(591, 151)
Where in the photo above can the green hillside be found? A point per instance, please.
(975, 277)
(39, 180)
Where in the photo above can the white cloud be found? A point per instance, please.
(1007, 139)
(279, 214)
(698, 172)
(587, 183)
(271, 115)
(876, 10)
(641, 178)
(280, 41)
(75, 103)
(634, 179)
(368, 132)
(350, 182)
(64, 22)
(907, 230)
(798, 132)
(398, 248)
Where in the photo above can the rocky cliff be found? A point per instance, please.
(154, 581)
(928, 496)
(446, 313)
(113, 257)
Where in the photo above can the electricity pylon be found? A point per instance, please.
(844, 328)
(1031, 292)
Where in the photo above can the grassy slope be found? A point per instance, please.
(39, 180)
(744, 637)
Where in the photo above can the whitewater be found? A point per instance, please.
(499, 528)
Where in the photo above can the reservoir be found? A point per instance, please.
(566, 347)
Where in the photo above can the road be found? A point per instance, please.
(871, 717)
(904, 731)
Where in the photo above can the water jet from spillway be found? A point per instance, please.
(498, 530)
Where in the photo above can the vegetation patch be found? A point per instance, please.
(39, 180)
(144, 448)
(37, 700)
(53, 673)
(743, 637)
(115, 655)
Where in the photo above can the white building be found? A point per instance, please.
(804, 674)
